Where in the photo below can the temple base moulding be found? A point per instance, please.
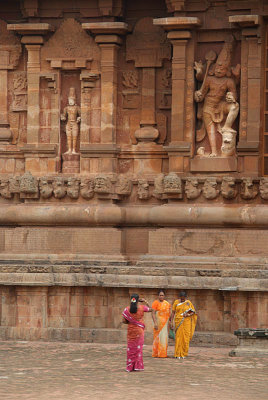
(71, 163)
(215, 164)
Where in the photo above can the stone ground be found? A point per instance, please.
(74, 371)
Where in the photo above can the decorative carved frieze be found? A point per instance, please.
(122, 187)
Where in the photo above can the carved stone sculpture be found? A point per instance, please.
(5, 190)
(159, 186)
(191, 188)
(72, 114)
(28, 186)
(264, 188)
(87, 188)
(73, 188)
(248, 191)
(218, 96)
(103, 184)
(123, 186)
(210, 190)
(172, 183)
(143, 189)
(59, 188)
(228, 188)
(45, 188)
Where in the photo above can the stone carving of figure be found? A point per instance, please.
(73, 188)
(143, 189)
(123, 186)
(28, 184)
(219, 97)
(87, 188)
(5, 189)
(59, 188)
(264, 188)
(228, 188)
(103, 184)
(172, 183)
(210, 190)
(248, 191)
(191, 188)
(159, 186)
(45, 188)
(72, 114)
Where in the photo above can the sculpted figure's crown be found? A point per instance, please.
(72, 93)
(224, 58)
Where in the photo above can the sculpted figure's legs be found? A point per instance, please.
(69, 139)
(212, 132)
(75, 134)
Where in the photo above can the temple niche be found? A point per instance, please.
(217, 99)
(71, 54)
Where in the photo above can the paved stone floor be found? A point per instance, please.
(74, 371)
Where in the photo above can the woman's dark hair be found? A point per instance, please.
(161, 291)
(134, 298)
(183, 294)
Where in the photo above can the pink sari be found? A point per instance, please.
(135, 338)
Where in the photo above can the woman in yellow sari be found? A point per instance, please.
(161, 314)
(185, 321)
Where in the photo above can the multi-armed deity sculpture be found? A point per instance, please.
(72, 114)
(217, 98)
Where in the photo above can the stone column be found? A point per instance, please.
(250, 92)
(107, 36)
(33, 79)
(179, 33)
(5, 132)
(32, 37)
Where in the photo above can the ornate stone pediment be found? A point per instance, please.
(70, 47)
(10, 48)
(147, 46)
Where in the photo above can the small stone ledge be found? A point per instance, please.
(251, 343)
(132, 281)
(106, 335)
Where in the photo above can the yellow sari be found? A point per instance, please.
(160, 342)
(184, 327)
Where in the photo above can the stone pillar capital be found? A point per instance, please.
(32, 33)
(177, 23)
(107, 32)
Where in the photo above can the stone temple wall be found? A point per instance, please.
(133, 157)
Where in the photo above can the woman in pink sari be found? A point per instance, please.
(133, 316)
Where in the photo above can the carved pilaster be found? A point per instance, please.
(107, 36)
(179, 33)
(251, 87)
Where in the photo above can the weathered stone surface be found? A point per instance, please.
(106, 183)
(252, 342)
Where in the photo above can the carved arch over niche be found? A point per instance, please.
(70, 47)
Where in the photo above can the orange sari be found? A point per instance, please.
(184, 327)
(160, 343)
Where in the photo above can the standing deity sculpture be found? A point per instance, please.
(72, 114)
(218, 106)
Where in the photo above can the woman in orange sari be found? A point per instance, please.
(185, 321)
(161, 314)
